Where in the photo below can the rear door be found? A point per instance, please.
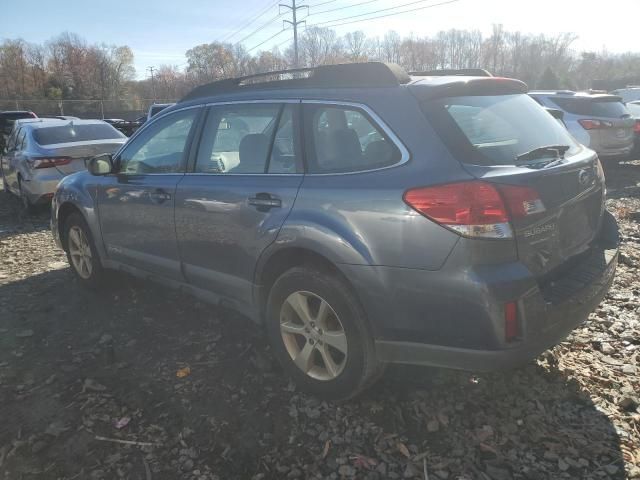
(136, 205)
(242, 186)
(558, 213)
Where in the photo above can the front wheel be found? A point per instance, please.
(319, 333)
(81, 251)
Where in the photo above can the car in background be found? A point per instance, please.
(360, 215)
(7, 118)
(598, 121)
(634, 109)
(629, 94)
(63, 117)
(156, 108)
(40, 152)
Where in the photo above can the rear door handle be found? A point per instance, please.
(159, 196)
(265, 201)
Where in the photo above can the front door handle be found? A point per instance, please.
(265, 201)
(159, 196)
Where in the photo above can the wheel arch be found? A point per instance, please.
(64, 211)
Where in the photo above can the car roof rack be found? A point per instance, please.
(362, 75)
(451, 72)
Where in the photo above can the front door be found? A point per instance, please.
(244, 183)
(136, 205)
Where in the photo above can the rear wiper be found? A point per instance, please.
(557, 150)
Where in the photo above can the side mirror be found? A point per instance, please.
(100, 164)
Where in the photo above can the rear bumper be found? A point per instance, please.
(561, 320)
(461, 324)
(615, 152)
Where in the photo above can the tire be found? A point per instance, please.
(82, 253)
(24, 199)
(341, 332)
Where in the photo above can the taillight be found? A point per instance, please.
(589, 124)
(48, 162)
(636, 127)
(475, 209)
(510, 321)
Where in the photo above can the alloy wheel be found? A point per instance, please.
(313, 335)
(80, 252)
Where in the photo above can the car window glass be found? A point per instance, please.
(495, 129)
(75, 133)
(344, 139)
(589, 106)
(160, 148)
(20, 140)
(238, 138)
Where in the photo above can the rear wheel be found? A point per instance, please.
(81, 251)
(24, 199)
(319, 333)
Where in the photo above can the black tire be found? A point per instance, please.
(29, 207)
(97, 276)
(360, 367)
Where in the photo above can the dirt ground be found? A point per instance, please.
(89, 387)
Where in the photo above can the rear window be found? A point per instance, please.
(75, 133)
(596, 108)
(157, 109)
(495, 129)
(634, 109)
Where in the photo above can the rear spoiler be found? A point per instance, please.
(471, 86)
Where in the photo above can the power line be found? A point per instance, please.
(342, 8)
(322, 3)
(270, 38)
(249, 22)
(264, 25)
(379, 16)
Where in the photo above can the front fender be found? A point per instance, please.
(79, 191)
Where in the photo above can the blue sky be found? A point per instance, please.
(160, 31)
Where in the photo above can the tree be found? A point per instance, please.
(549, 80)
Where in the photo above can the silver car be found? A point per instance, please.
(40, 152)
(600, 122)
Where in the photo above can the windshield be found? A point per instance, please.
(75, 133)
(496, 129)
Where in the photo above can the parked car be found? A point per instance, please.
(629, 94)
(6, 123)
(156, 108)
(40, 152)
(634, 109)
(600, 122)
(362, 215)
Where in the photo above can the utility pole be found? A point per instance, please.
(153, 85)
(294, 23)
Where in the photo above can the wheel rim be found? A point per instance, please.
(80, 252)
(313, 335)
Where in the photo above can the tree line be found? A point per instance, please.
(68, 67)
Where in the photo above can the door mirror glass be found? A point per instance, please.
(100, 164)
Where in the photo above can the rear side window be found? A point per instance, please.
(249, 139)
(634, 109)
(495, 129)
(592, 107)
(75, 133)
(344, 139)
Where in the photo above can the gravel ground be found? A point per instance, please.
(144, 383)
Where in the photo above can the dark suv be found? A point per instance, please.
(361, 215)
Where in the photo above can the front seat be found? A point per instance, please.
(252, 154)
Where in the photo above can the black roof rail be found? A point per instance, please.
(369, 74)
(449, 72)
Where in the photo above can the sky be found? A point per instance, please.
(161, 31)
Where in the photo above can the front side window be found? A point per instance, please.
(495, 129)
(248, 139)
(162, 147)
(344, 139)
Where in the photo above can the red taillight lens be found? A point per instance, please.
(510, 321)
(636, 127)
(476, 208)
(589, 124)
(48, 162)
(521, 201)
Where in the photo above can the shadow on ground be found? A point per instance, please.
(74, 362)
